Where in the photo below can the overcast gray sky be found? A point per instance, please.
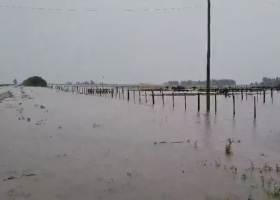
(142, 45)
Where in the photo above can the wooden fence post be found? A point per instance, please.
(146, 96)
(264, 96)
(134, 95)
(255, 114)
(198, 101)
(173, 98)
(216, 103)
(233, 99)
(128, 95)
(153, 97)
(185, 101)
(246, 92)
(139, 97)
(162, 98)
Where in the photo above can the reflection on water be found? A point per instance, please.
(198, 118)
(206, 138)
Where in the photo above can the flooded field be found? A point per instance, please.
(60, 145)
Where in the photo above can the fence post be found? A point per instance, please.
(139, 96)
(134, 95)
(233, 99)
(146, 96)
(242, 95)
(246, 92)
(173, 98)
(198, 102)
(264, 96)
(255, 114)
(162, 95)
(185, 101)
(216, 102)
(153, 96)
(128, 95)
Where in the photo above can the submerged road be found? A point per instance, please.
(56, 145)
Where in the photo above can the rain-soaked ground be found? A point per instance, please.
(59, 145)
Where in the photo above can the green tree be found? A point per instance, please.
(35, 81)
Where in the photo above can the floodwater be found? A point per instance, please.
(92, 147)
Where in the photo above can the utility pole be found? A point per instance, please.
(208, 57)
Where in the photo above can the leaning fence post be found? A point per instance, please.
(255, 114)
(162, 95)
(198, 101)
(233, 99)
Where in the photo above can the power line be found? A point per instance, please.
(96, 10)
(269, 3)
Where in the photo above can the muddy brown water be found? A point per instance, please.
(92, 147)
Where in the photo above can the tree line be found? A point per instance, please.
(218, 82)
(91, 82)
(268, 82)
